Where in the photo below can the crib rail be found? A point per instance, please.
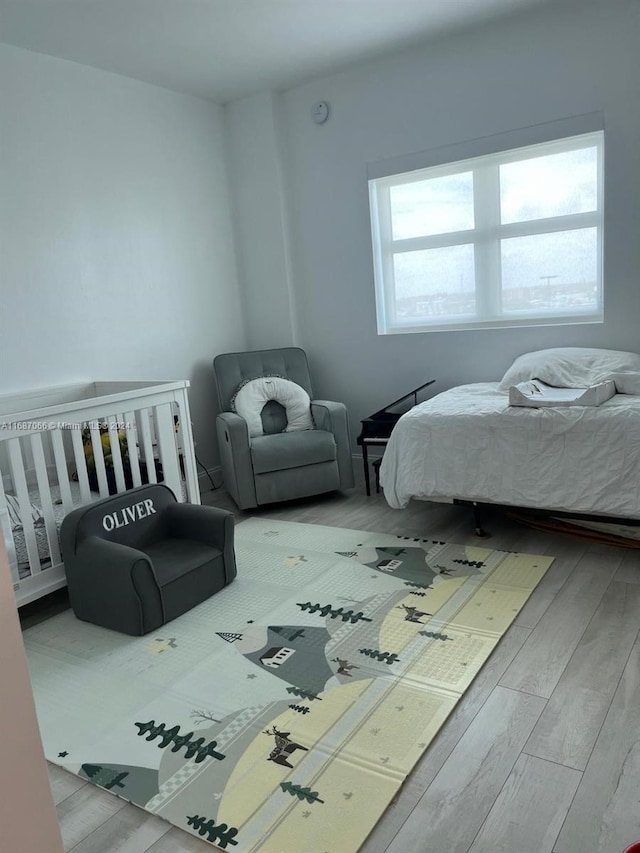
(55, 458)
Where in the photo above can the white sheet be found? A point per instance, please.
(469, 443)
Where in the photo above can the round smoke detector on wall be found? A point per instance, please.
(320, 112)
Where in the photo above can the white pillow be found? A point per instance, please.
(252, 395)
(576, 367)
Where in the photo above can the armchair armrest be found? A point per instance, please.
(114, 585)
(235, 459)
(208, 524)
(332, 416)
(327, 413)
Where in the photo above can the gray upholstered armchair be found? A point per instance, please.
(139, 559)
(279, 465)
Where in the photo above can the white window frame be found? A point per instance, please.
(485, 238)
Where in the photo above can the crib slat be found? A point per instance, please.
(22, 493)
(62, 473)
(166, 433)
(7, 533)
(188, 449)
(46, 501)
(114, 439)
(98, 459)
(147, 444)
(132, 447)
(81, 465)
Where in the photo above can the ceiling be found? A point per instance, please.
(226, 49)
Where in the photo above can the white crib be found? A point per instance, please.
(45, 473)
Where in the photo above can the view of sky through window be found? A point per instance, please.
(552, 185)
(435, 206)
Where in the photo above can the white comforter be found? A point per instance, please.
(468, 443)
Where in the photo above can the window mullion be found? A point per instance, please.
(438, 241)
(486, 205)
(566, 222)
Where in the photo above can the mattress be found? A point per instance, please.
(468, 443)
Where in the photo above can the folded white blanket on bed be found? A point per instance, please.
(537, 394)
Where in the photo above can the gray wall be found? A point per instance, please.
(115, 233)
(538, 67)
(257, 176)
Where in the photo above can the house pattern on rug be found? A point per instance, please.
(284, 713)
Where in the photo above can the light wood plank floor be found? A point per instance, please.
(541, 755)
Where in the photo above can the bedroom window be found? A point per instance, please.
(505, 239)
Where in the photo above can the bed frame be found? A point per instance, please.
(43, 461)
(478, 508)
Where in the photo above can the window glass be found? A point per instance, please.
(435, 282)
(550, 272)
(549, 186)
(435, 206)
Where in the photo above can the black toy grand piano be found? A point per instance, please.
(377, 428)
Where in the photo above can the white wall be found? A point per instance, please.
(538, 67)
(117, 258)
(257, 177)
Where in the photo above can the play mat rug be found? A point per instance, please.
(283, 714)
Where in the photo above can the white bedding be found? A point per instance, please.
(468, 443)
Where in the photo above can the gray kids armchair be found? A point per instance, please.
(139, 559)
(278, 460)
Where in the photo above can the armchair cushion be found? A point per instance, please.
(187, 573)
(291, 450)
(172, 558)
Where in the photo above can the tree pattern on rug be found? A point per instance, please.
(103, 777)
(192, 748)
(305, 794)
(334, 613)
(219, 834)
(386, 657)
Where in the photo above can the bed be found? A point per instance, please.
(67, 446)
(468, 444)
